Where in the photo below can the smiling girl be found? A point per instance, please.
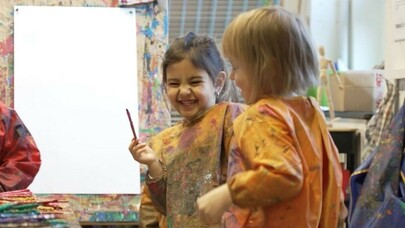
(189, 159)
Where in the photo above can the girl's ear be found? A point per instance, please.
(220, 82)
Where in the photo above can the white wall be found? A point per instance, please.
(329, 24)
(395, 45)
(367, 33)
(350, 30)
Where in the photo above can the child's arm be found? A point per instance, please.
(273, 165)
(155, 175)
(145, 155)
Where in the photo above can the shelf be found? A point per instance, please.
(352, 115)
(394, 74)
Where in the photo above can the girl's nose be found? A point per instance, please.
(184, 90)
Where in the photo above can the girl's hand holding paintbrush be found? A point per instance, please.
(144, 154)
(141, 153)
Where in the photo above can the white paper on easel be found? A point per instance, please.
(75, 74)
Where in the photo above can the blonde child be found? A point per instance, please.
(189, 159)
(285, 170)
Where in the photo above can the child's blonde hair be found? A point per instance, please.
(277, 48)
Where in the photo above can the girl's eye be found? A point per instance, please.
(173, 84)
(196, 82)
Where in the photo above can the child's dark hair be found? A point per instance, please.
(203, 53)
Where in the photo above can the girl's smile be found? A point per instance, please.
(190, 89)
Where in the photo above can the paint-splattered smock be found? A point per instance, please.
(377, 186)
(285, 171)
(195, 157)
(19, 155)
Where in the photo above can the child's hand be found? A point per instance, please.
(212, 205)
(142, 153)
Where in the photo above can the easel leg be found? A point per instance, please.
(330, 104)
(319, 94)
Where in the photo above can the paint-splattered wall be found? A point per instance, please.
(152, 40)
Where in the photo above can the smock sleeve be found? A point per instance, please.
(272, 167)
(156, 188)
(148, 215)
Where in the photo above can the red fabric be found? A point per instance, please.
(345, 184)
(19, 156)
